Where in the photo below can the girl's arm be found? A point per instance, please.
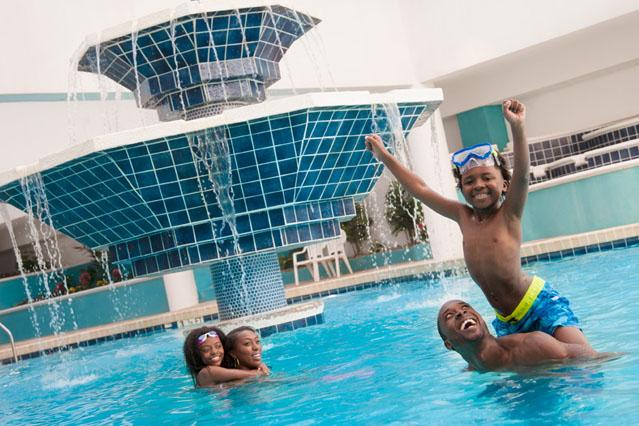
(515, 113)
(413, 183)
(213, 375)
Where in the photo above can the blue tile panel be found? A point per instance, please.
(293, 178)
(547, 151)
(212, 57)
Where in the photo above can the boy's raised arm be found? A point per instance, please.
(413, 183)
(515, 113)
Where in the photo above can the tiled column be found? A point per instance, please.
(430, 159)
(181, 291)
(248, 285)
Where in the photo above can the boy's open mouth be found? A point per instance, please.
(468, 323)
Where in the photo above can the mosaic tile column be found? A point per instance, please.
(248, 285)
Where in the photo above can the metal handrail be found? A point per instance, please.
(13, 344)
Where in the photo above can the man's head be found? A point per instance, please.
(481, 175)
(458, 324)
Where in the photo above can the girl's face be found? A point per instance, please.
(212, 351)
(248, 350)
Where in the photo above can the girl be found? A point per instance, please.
(244, 350)
(204, 356)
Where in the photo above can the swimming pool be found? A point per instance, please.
(377, 359)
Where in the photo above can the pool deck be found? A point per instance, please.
(553, 248)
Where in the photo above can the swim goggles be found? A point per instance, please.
(482, 154)
(201, 339)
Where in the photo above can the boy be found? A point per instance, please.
(491, 229)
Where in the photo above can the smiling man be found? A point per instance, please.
(463, 330)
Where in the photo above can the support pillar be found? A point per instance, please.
(181, 291)
(248, 285)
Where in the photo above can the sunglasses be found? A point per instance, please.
(201, 339)
(483, 154)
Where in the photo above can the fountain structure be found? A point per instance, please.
(229, 179)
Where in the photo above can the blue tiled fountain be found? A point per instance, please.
(228, 180)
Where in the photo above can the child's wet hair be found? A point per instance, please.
(192, 356)
(503, 168)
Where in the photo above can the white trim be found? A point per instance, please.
(231, 116)
(602, 131)
(585, 174)
(587, 131)
(580, 159)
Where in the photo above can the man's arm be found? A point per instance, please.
(539, 347)
(515, 113)
(413, 183)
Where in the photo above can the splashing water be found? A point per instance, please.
(44, 240)
(386, 122)
(176, 66)
(6, 217)
(212, 157)
(314, 37)
(283, 61)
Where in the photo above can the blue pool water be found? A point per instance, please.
(376, 360)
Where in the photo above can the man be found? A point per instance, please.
(463, 330)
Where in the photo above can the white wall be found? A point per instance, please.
(453, 134)
(36, 129)
(359, 46)
(455, 34)
(585, 103)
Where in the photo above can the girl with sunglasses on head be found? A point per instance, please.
(490, 223)
(207, 361)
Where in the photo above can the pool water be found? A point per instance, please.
(376, 360)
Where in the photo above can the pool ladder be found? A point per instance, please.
(13, 344)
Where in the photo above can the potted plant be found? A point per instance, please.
(357, 228)
(405, 214)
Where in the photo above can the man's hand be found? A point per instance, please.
(514, 112)
(375, 145)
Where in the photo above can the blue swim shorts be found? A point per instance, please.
(541, 309)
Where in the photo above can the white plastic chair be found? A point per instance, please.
(337, 253)
(314, 257)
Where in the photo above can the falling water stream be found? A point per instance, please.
(212, 157)
(43, 238)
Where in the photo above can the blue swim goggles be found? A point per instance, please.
(482, 154)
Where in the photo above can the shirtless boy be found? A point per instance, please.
(491, 227)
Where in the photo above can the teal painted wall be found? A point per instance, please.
(483, 124)
(138, 300)
(204, 284)
(12, 289)
(597, 202)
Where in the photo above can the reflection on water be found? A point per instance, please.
(558, 394)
